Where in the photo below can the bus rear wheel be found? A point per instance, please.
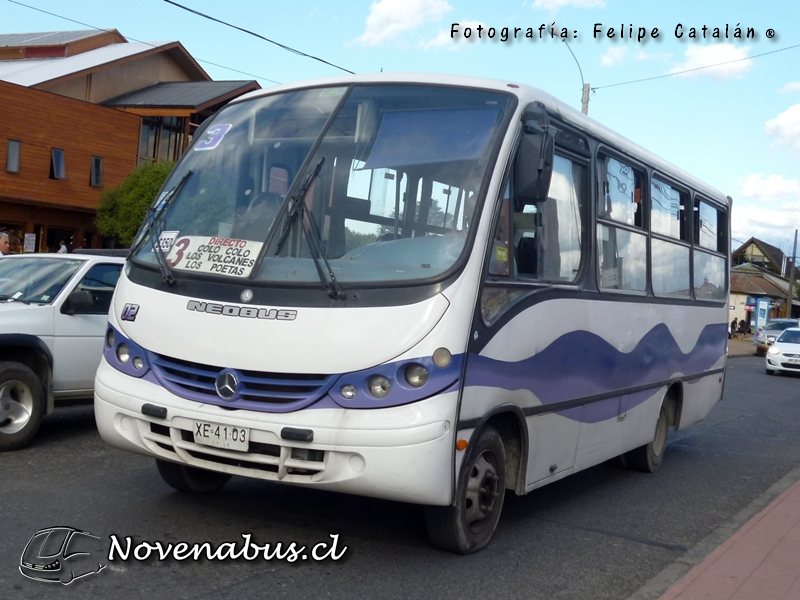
(191, 480)
(648, 458)
(469, 524)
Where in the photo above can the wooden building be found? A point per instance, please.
(80, 110)
(57, 156)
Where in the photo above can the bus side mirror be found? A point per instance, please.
(534, 167)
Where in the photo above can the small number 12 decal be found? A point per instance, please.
(214, 135)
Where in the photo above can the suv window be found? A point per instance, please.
(100, 282)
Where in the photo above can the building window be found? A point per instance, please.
(58, 167)
(97, 172)
(12, 156)
(161, 139)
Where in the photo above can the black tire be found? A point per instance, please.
(648, 458)
(470, 524)
(22, 405)
(770, 372)
(191, 480)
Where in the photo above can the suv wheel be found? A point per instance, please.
(21, 405)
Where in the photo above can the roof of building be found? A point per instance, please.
(183, 94)
(774, 254)
(33, 72)
(752, 284)
(46, 38)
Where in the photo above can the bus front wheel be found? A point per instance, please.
(190, 480)
(469, 524)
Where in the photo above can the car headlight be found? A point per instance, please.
(773, 350)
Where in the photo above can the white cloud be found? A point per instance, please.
(613, 56)
(662, 56)
(388, 19)
(766, 207)
(791, 87)
(773, 224)
(768, 188)
(786, 129)
(727, 58)
(556, 4)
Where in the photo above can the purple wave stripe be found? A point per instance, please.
(581, 364)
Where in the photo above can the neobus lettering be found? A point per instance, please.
(247, 312)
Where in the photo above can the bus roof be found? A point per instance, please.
(526, 95)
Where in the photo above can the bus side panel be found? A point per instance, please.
(591, 384)
(700, 396)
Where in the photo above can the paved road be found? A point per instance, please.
(601, 534)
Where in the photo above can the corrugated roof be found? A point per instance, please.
(32, 72)
(46, 38)
(755, 285)
(180, 94)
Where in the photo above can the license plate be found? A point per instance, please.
(222, 436)
(794, 360)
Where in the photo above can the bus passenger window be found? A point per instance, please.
(620, 197)
(547, 235)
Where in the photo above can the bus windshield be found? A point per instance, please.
(378, 182)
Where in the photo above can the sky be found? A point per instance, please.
(725, 109)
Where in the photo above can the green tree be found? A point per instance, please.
(122, 209)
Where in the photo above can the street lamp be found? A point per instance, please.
(584, 86)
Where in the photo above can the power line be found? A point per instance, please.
(208, 62)
(287, 48)
(695, 69)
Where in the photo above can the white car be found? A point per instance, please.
(784, 353)
(53, 316)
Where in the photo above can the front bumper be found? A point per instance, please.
(403, 453)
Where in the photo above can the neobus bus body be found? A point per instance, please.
(429, 289)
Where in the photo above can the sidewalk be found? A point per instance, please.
(756, 556)
(743, 348)
(761, 561)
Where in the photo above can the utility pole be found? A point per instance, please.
(585, 99)
(791, 277)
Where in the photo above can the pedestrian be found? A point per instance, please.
(734, 328)
(743, 327)
(5, 244)
(62, 248)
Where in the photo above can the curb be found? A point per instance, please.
(672, 574)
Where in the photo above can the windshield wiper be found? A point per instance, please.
(154, 217)
(298, 210)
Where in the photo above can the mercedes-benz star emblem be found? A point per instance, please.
(226, 385)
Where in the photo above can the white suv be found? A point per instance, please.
(53, 316)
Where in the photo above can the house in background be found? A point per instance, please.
(760, 270)
(82, 109)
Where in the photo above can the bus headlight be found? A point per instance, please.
(379, 386)
(123, 353)
(416, 375)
